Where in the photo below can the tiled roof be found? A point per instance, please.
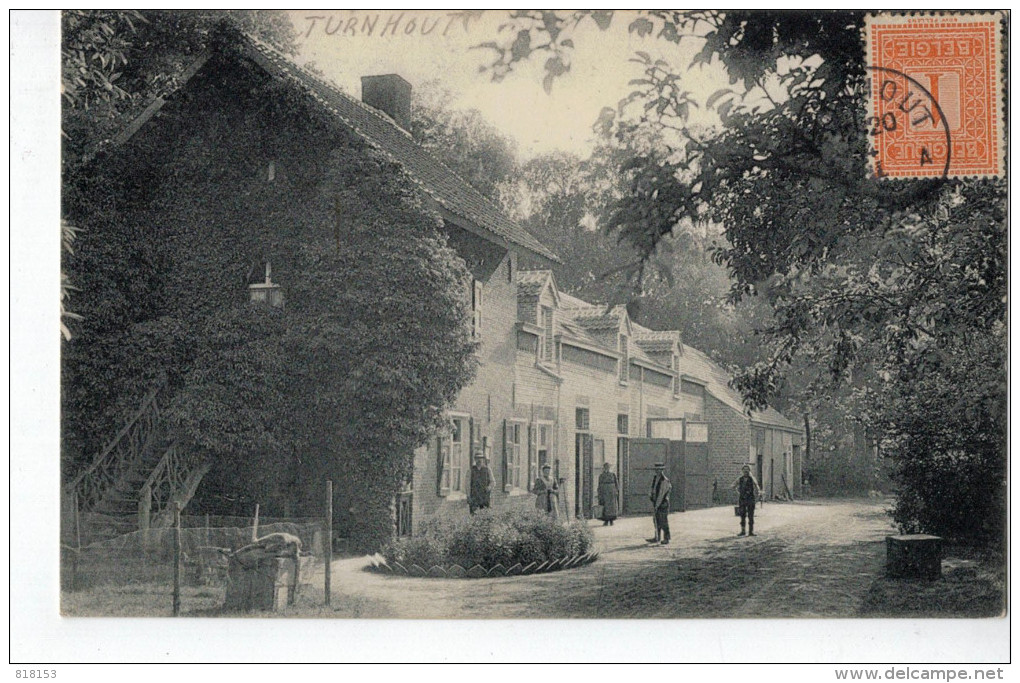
(435, 179)
(531, 282)
(575, 318)
(445, 186)
(701, 366)
(656, 341)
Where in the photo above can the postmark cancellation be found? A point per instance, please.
(936, 94)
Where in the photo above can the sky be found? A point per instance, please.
(424, 46)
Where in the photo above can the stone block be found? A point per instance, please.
(913, 556)
(267, 584)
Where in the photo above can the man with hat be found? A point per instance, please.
(547, 493)
(659, 496)
(481, 483)
(747, 493)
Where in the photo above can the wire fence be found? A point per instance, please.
(142, 563)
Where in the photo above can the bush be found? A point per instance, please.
(489, 538)
(958, 495)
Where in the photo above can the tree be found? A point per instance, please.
(865, 278)
(114, 63)
(463, 140)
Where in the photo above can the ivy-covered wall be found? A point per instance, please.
(345, 381)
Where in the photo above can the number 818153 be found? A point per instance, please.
(35, 673)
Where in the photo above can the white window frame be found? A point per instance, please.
(518, 429)
(624, 359)
(546, 321)
(459, 452)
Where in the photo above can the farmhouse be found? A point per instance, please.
(559, 380)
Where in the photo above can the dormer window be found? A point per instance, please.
(545, 341)
(624, 360)
(267, 292)
(676, 375)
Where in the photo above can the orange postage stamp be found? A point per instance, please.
(936, 94)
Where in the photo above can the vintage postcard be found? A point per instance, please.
(688, 316)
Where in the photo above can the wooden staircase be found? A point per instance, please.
(135, 481)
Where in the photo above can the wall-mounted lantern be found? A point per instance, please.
(267, 292)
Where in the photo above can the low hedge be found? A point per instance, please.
(489, 538)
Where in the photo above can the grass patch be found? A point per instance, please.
(972, 585)
(156, 600)
(139, 600)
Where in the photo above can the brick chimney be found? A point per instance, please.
(391, 95)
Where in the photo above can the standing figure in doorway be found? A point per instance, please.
(659, 496)
(547, 493)
(609, 496)
(747, 493)
(480, 495)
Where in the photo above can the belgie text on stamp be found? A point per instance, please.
(936, 94)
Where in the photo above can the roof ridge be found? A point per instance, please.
(327, 83)
(285, 63)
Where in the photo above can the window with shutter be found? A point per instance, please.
(532, 457)
(443, 465)
(507, 457)
(457, 455)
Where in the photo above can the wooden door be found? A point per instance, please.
(584, 446)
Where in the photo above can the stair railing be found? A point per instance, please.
(126, 448)
(174, 480)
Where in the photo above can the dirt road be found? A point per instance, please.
(807, 559)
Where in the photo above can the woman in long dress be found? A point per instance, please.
(547, 494)
(609, 496)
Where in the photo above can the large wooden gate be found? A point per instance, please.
(687, 466)
(697, 470)
(642, 454)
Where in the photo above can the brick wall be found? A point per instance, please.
(488, 398)
(729, 444)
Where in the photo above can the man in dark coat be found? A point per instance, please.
(747, 493)
(481, 484)
(659, 496)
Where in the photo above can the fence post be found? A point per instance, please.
(255, 527)
(177, 558)
(329, 539)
